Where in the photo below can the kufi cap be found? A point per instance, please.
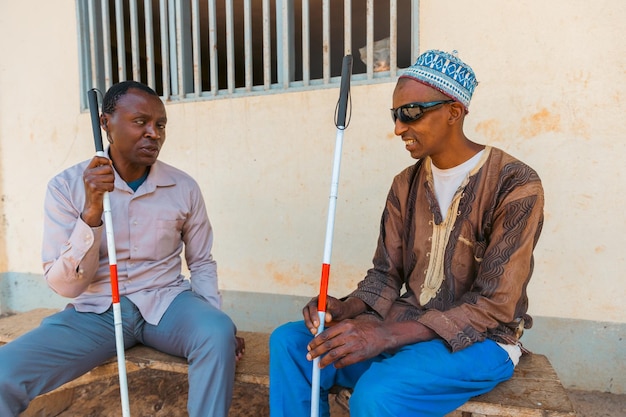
(444, 72)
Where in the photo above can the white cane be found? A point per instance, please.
(115, 292)
(342, 107)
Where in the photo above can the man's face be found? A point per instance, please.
(426, 136)
(136, 129)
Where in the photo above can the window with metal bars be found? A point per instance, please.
(193, 49)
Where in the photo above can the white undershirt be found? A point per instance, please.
(447, 183)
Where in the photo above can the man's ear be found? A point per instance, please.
(457, 112)
(103, 122)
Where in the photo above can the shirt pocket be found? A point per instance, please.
(169, 237)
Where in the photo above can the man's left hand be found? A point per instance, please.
(349, 342)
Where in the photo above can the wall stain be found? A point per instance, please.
(343, 278)
(287, 275)
(490, 129)
(540, 122)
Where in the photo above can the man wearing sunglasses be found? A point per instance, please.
(437, 319)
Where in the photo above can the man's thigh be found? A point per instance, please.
(427, 379)
(189, 322)
(64, 346)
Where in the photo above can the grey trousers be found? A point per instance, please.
(68, 344)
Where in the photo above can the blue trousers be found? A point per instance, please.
(423, 379)
(68, 344)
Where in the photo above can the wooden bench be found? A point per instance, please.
(534, 390)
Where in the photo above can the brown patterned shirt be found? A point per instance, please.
(464, 277)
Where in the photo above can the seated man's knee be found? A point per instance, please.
(10, 366)
(221, 332)
(374, 395)
(289, 334)
(13, 395)
(365, 398)
(214, 335)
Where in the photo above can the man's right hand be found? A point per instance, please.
(336, 310)
(98, 178)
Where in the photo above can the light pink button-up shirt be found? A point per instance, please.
(151, 228)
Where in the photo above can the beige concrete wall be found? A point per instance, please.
(551, 92)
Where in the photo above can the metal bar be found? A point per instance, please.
(179, 49)
(347, 27)
(282, 40)
(121, 47)
(83, 45)
(134, 40)
(326, 40)
(267, 46)
(415, 18)
(164, 49)
(172, 57)
(230, 48)
(93, 36)
(306, 43)
(106, 46)
(197, 63)
(284, 32)
(369, 45)
(393, 37)
(247, 35)
(147, 8)
(213, 48)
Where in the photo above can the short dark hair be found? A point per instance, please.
(110, 99)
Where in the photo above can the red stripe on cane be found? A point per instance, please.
(321, 302)
(115, 293)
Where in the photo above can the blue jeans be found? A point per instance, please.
(68, 344)
(423, 379)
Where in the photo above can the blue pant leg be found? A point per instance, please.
(194, 329)
(427, 380)
(291, 373)
(65, 346)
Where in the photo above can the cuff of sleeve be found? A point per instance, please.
(83, 237)
(380, 307)
(446, 329)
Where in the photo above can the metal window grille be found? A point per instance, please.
(193, 49)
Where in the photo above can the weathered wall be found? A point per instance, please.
(551, 92)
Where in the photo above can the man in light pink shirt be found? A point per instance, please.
(157, 211)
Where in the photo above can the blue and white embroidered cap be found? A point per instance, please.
(444, 72)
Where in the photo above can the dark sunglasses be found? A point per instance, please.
(413, 111)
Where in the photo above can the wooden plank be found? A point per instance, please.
(534, 390)
(51, 404)
(252, 368)
(13, 326)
